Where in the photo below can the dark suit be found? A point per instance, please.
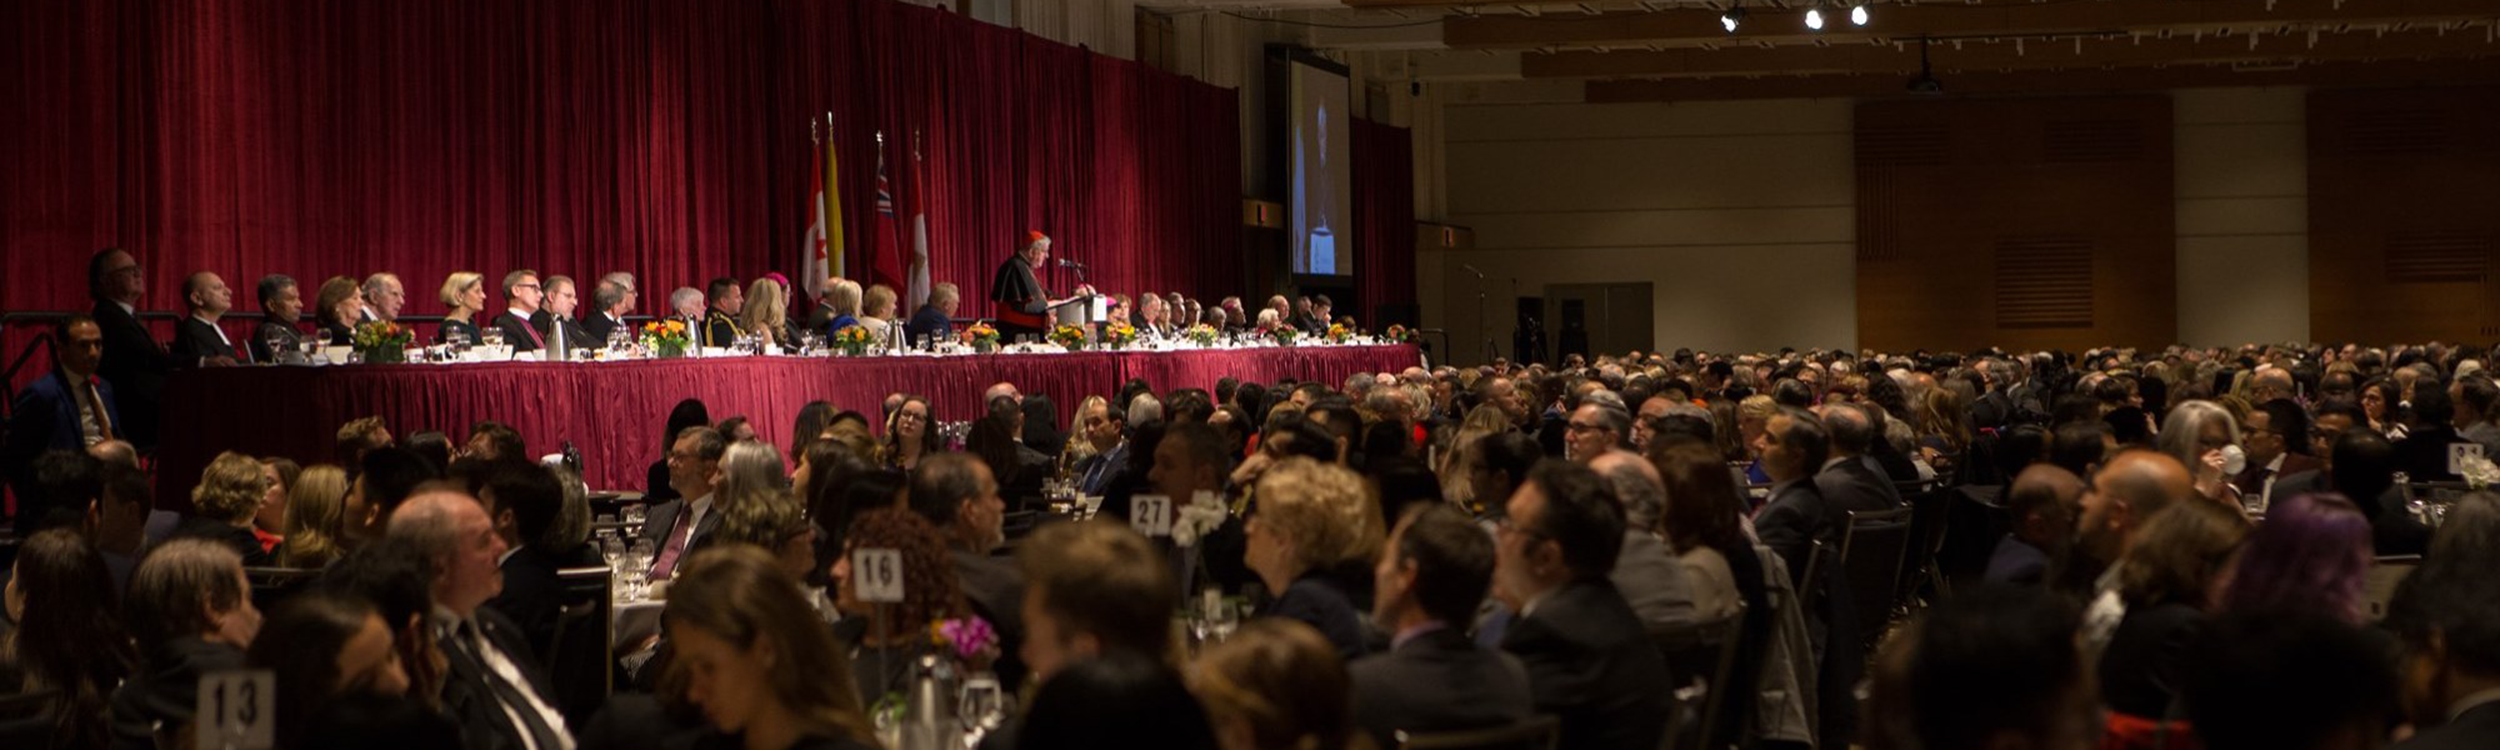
(2476, 729)
(2252, 482)
(1850, 486)
(338, 334)
(2147, 659)
(1590, 664)
(2423, 454)
(1791, 521)
(1440, 681)
(136, 366)
(195, 341)
(46, 416)
(517, 332)
(929, 324)
(995, 589)
(532, 595)
(575, 337)
(719, 329)
(597, 326)
(662, 520)
(468, 693)
(287, 336)
(1315, 601)
(2018, 562)
(162, 697)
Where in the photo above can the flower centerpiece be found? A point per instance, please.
(1202, 334)
(667, 338)
(382, 342)
(1399, 334)
(2479, 472)
(1119, 335)
(1339, 333)
(853, 340)
(969, 639)
(1068, 337)
(982, 337)
(1283, 334)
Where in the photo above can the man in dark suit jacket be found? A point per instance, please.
(957, 494)
(133, 361)
(492, 685)
(2423, 453)
(523, 499)
(68, 408)
(198, 341)
(2276, 436)
(2447, 617)
(720, 323)
(283, 301)
(1434, 678)
(935, 321)
(608, 303)
(1847, 483)
(522, 290)
(555, 322)
(1796, 516)
(685, 523)
(1589, 663)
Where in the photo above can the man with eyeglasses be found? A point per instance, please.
(1594, 429)
(1588, 661)
(523, 292)
(134, 361)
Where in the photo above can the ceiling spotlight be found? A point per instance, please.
(1735, 14)
(1814, 18)
(1857, 15)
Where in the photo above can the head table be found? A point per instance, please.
(613, 411)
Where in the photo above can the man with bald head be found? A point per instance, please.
(1647, 571)
(2042, 505)
(198, 341)
(492, 685)
(2124, 495)
(1850, 483)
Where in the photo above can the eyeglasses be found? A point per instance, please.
(532, 287)
(1577, 427)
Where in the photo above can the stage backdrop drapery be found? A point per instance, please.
(667, 138)
(1384, 218)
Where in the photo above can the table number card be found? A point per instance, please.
(238, 710)
(877, 574)
(1151, 515)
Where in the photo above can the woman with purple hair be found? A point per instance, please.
(2311, 555)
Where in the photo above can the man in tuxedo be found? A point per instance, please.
(1588, 661)
(492, 684)
(134, 363)
(522, 500)
(1848, 482)
(956, 493)
(283, 301)
(1792, 443)
(676, 527)
(2276, 436)
(68, 408)
(935, 320)
(384, 296)
(198, 341)
(1432, 574)
(720, 322)
(523, 292)
(555, 321)
(608, 303)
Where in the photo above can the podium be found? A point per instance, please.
(1081, 310)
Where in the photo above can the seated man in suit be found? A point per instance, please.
(678, 526)
(2042, 504)
(492, 684)
(1848, 482)
(523, 499)
(555, 322)
(383, 297)
(1792, 443)
(1647, 572)
(720, 322)
(935, 321)
(2276, 435)
(192, 615)
(134, 363)
(522, 290)
(68, 408)
(1433, 573)
(2448, 616)
(608, 304)
(284, 302)
(198, 341)
(1589, 663)
(957, 494)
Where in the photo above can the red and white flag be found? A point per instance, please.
(919, 293)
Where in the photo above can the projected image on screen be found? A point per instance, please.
(1322, 172)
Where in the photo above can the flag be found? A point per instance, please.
(820, 252)
(919, 293)
(886, 267)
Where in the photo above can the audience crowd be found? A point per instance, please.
(2121, 548)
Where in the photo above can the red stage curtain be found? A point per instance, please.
(1384, 219)
(668, 138)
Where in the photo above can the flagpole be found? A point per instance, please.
(829, 202)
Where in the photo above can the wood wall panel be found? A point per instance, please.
(1957, 199)
(2404, 214)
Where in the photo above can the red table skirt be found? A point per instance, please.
(614, 412)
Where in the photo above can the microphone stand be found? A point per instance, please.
(1491, 351)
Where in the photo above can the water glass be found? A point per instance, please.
(1223, 617)
(983, 705)
(613, 549)
(634, 514)
(492, 336)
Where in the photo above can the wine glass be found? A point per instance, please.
(635, 514)
(492, 336)
(1223, 616)
(982, 707)
(613, 549)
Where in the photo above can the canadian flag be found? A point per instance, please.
(919, 291)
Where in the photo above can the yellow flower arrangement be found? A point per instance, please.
(1068, 337)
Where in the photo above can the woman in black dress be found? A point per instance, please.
(465, 293)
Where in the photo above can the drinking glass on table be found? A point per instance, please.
(613, 549)
(491, 335)
(982, 708)
(634, 515)
(1223, 617)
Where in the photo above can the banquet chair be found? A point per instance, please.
(577, 659)
(1700, 699)
(273, 585)
(2378, 586)
(26, 719)
(1539, 732)
(1929, 500)
(1871, 554)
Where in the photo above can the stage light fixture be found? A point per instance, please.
(1814, 19)
(1735, 15)
(1857, 15)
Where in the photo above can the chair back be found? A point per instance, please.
(1870, 565)
(273, 585)
(2378, 587)
(1929, 500)
(1701, 661)
(1539, 732)
(27, 719)
(577, 659)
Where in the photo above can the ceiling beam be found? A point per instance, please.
(2347, 74)
(1764, 25)
(1903, 59)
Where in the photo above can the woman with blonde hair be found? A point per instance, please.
(1481, 421)
(336, 308)
(1275, 685)
(1311, 518)
(752, 654)
(767, 313)
(877, 313)
(465, 293)
(843, 296)
(227, 497)
(1078, 448)
(314, 507)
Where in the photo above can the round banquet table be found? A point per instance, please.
(614, 411)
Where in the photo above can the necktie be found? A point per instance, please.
(508, 683)
(676, 547)
(532, 330)
(103, 417)
(2265, 489)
